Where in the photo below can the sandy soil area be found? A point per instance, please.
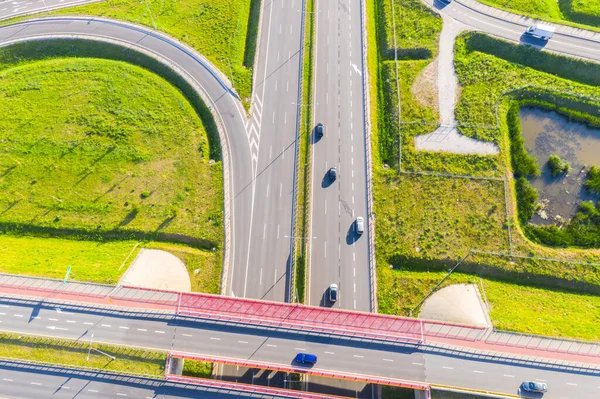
(154, 268)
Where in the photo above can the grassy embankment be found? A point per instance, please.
(74, 354)
(425, 224)
(581, 13)
(224, 31)
(304, 155)
(88, 155)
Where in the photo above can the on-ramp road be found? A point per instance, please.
(560, 42)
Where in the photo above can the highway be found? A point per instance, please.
(27, 380)
(164, 331)
(261, 264)
(338, 254)
(514, 31)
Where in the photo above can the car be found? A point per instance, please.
(319, 130)
(533, 386)
(446, 1)
(306, 358)
(333, 292)
(359, 225)
(332, 174)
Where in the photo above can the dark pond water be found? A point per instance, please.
(549, 133)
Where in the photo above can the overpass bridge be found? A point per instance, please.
(352, 345)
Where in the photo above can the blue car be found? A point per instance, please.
(306, 358)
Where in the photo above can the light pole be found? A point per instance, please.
(97, 350)
(230, 70)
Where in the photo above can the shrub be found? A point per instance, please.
(558, 166)
(593, 180)
(145, 194)
(523, 163)
(527, 198)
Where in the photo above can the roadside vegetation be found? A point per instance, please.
(197, 369)
(570, 12)
(224, 31)
(86, 152)
(426, 223)
(75, 353)
(303, 177)
(98, 262)
(89, 157)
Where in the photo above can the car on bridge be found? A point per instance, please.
(333, 293)
(306, 358)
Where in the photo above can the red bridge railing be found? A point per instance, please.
(303, 370)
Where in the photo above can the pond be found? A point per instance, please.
(549, 133)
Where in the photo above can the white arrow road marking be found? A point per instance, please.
(358, 71)
(57, 328)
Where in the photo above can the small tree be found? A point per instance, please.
(593, 180)
(558, 166)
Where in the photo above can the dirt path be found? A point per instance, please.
(446, 137)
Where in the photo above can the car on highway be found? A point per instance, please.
(359, 225)
(540, 31)
(306, 358)
(533, 386)
(332, 174)
(333, 292)
(319, 130)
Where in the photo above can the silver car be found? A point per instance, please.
(359, 225)
(533, 386)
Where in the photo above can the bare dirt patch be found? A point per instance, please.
(424, 88)
(458, 303)
(154, 268)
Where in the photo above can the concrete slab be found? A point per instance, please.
(458, 303)
(154, 268)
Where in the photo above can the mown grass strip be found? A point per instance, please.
(304, 157)
(221, 30)
(75, 354)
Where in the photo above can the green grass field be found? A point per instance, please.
(98, 262)
(437, 217)
(74, 354)
(423, 223)
(584, 12)
(548, 311)
(217, 29)
(96, 146)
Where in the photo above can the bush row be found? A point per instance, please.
(568, 68)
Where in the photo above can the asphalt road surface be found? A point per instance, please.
(560, 43)
(165, 332)
(262, 271)
(25, 380)
(338, 254)
(13, 8)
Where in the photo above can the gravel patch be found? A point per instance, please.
(154, 268)
(457, 303)
(446, 137)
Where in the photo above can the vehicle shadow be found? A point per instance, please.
(314, 138)
(325, 302)
(351, 235)
(440, 5)
(533, 42)
(326, 182)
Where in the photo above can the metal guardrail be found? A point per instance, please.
(249, 388)
(537, 342)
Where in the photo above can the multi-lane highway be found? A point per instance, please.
(561, 43)
(30, 380)
(338, 254)
(261, 264)
(168, 332)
